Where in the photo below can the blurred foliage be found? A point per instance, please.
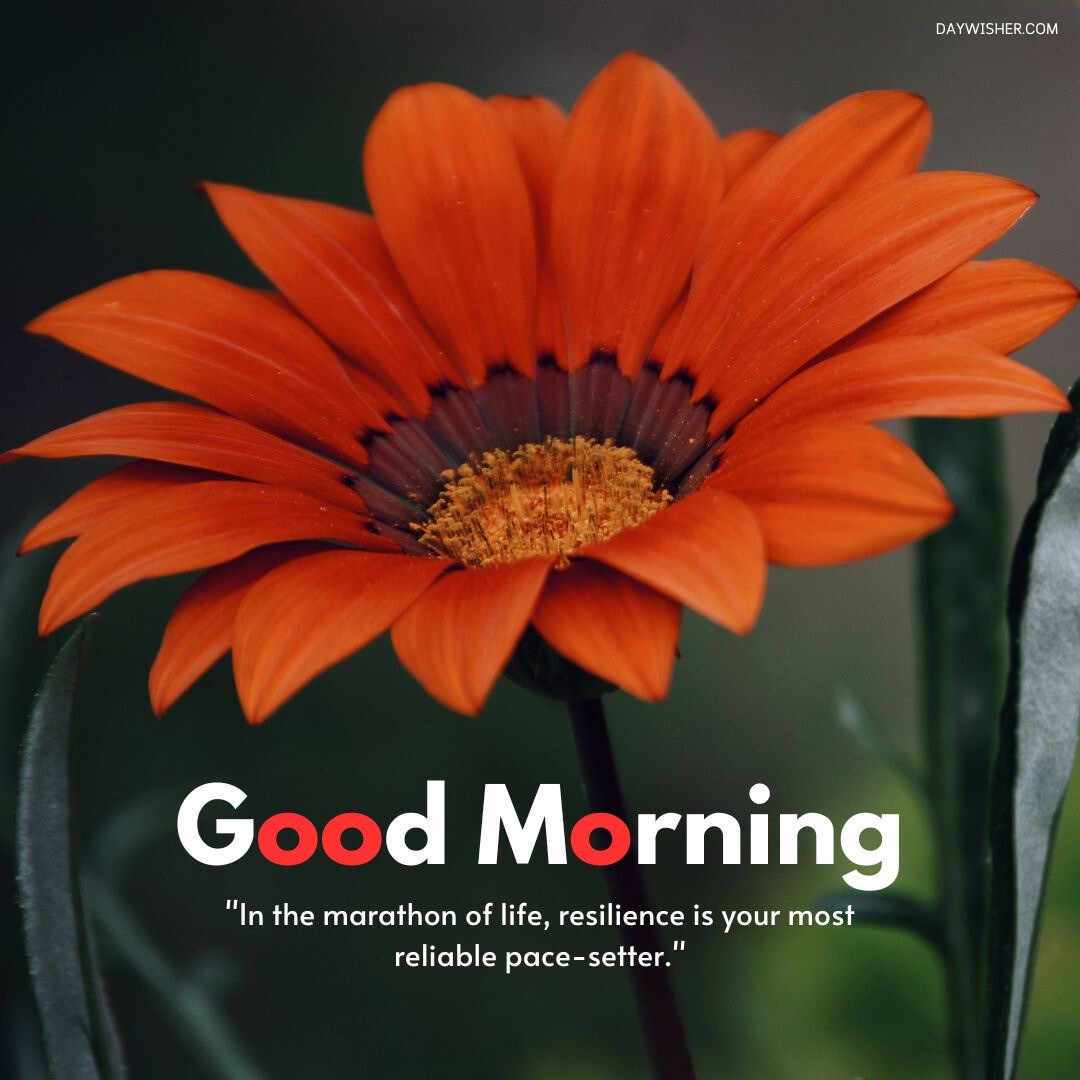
(798, 1003)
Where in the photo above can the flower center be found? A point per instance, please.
(546, 498)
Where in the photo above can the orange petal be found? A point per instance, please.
(186, 528)
(306, 616)
(200, 630)
(452, 206)
(76, 514)
(640, 174)
(189, 435)
(459, 635)
(536, 127)
(907, 376)
(831, 494)
(855, 259)
(665, 336)
(706, 551)
(743, 149)
(1002, 304)
(334, 268)
(861, 141)
(612, 626)
(230, 347)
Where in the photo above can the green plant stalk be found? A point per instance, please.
(654, 989)
(963, 663)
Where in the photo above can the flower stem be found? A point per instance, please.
(964, 660)
(654, 991)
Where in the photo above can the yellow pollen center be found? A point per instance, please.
(546, 498)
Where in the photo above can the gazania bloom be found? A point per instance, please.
(572, 375)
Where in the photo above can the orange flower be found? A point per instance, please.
(572, 375)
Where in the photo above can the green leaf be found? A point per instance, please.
(893, 909)
(857, 724)
(188, 998)
(184, 1001)
(962, 575)
(21, 586)
(80, 1038)
(1038, 733)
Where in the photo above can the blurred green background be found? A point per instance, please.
(113, 111)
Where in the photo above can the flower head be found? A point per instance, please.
(571, 376)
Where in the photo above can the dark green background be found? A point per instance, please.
(113, 112)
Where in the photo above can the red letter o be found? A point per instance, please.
(271, 828)
(370, 843)
(581, 839)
